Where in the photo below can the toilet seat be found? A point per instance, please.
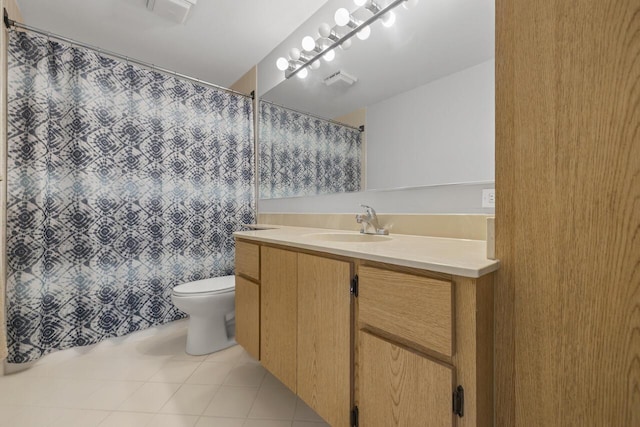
(213, 286)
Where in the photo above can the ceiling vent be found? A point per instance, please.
(175, 10)
(340, 79)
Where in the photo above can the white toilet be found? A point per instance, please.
(210, 306)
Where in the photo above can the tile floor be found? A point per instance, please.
(146, 379)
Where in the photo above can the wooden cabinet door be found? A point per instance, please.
(397, 387)
(324, 337)
(278, 313)
(248, 316)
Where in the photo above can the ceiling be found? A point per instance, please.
(220, 41)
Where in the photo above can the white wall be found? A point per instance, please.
(446, 131)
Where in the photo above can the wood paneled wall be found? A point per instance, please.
(568, 213)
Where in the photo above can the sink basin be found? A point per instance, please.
(348, 237)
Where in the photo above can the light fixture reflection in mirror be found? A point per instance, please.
(408, 4)
(308, 44)
(302, 74)
(324, 30)
(389, 19)
(282, 63)
(295, 53)
(364, 33)
(329, 56)
(342, 17)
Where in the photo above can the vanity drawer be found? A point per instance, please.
(413, 308)
(248, 260)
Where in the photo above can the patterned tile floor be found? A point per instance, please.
(146, 379)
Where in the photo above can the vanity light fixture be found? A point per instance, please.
(329, 38)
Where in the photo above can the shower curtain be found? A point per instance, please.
(123, 183)
(302, 155)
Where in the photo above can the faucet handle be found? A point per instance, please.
(369, 209)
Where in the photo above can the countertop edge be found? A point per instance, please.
(474, 273)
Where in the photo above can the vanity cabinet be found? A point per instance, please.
(424, 340)
(398, 352)
(301, 321)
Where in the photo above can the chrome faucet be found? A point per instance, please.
(370, 221)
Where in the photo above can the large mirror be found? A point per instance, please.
(423, 89)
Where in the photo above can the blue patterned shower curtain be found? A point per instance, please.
(302, 155)
(122, 183)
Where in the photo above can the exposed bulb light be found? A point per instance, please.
(364, 33)
(408, 4)
(294, 53)
(308, 44)
(342, 17)
(302, 74)
(324, 30)
(300, 62)
(389, 19)
(282, 63)
(329, 56)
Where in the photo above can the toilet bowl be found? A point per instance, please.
(210, 306)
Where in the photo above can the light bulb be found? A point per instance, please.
(359, 2)
(324, 30)
(308, 43)
(388, 19)
(346, 44)
(364, 33)
(294, 54)
(315, 65)
(329, 56)
(342, 17)
(408, 4)
(282, 63)
(302, 74)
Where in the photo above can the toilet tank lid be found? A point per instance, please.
(215, 284)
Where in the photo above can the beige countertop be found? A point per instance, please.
(459, 257)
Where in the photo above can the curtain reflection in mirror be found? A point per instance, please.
(303, 155)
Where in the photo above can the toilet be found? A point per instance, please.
(210, 306)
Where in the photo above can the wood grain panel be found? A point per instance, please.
(324, 337)
(504, 223)
(248, 316)
(248, 259)
(278, 314)
(415, 308)
(474, 348)
(568, 215)
(401, 388)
